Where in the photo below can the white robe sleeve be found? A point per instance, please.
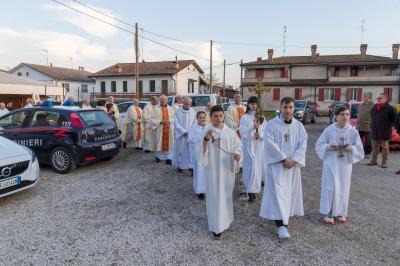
(155, 119)
(357, 149)
(179, 129)
(299, 156)
(245, 127)
(271, 150)
(202, 155)
(322, 145)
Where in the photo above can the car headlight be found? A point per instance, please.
(32, 153)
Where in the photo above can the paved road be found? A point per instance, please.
(131, 210)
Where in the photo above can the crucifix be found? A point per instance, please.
(342, 139)
(286, 136)
(259, 89)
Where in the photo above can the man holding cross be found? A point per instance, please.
(285, 144)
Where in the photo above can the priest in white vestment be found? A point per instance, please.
(184, 118)
(234, 114)
(162, 123)
(339, 147)
(196, 135)
(132, 129)
(148, 132)
(251, 132)
(285, 141)
(178, 103)
(220, 154)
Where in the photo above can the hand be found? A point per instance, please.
(256, 124)
(334, 148)
(236, 157)
(288, 163)
(348, 147)
(258, 135)
(209, 134)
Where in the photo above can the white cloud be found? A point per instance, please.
(87, 24)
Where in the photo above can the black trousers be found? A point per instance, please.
(367, 143)
(279, 223)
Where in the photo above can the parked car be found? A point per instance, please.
(304, 111)
(63, 136)
(199, 101)
(316, 107)
(123, 107)
(19, 167)
(353, 108)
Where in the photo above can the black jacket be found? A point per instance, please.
(382, 122)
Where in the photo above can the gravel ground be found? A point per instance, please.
(131, 211)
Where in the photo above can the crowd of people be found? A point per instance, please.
(216, 145)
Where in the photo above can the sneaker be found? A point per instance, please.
(168, 162)
(201, 196)
(329, 219)
(283, 232)
(216, 236)
(342, 219)
(243, 197)
(252, 197)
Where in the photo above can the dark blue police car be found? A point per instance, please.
(63, 136)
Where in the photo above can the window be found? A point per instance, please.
(276, 94)
(297, 93)
(66, 87)
(125, 86)
(354, 94)
(329, 94)
(103, 87)
(123, 107)
(141, 85)
(27, 74)
(19, 74)
(389, 92)
(152, 85)
(84, 88)
(353, 71)
(164, 87)
(95, 117)
(335, 72)
(15, 120)
(200, 100)
(46, 119)
(284, 72)
(113, 86)
(259, 73)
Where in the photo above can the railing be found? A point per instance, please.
(122, 96)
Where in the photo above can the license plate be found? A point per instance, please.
(106, 147)
(10, 182)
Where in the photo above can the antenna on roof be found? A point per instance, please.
(362, 30)
(284, 40)
(72, 64)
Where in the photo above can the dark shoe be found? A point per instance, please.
(398, 172)
(157, 160)
(169, 162)
(124, 145)
(252, 197)
(201, 196)
(138, 148)
(147, 151)
(191, 172)
(216, 236)
(179, 170)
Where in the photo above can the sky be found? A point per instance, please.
(28, 28)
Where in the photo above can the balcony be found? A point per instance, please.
(249, 81)
(379, 79)
(123, 96)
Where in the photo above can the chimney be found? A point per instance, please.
(259, 58)
(314, 52)
(51, 64)
(119, 68)
(363, 49)
(81, 68)
(395, 50)
(270, 54)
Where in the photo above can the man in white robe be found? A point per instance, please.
(219, 153)
(339, 147)
(179, 103)
(86, 105)
(132, 126)
(162, 123)
(251, 132)
(196, 135)
(183, 120)
(116, 110)
(149, 134)
(285, 144)
(234, 114)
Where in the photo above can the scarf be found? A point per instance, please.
(380, 106)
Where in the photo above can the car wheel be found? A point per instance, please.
(304, 119)
(61, 160)
(107, 158)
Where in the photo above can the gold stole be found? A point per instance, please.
(138, 132)
(165, 129)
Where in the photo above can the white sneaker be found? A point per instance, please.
(283, 232)
(329, 219)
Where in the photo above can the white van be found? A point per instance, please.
(199, 101)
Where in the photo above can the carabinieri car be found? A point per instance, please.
(63, 136)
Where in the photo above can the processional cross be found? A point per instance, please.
(259, 89)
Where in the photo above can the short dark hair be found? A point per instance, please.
(252, 99)
(109, 106)
(216, 108)
(199, 113)
(340, 109)
(286, 100)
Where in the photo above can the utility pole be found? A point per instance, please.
(284, 40)
(241, 77)
(224, 77)
(138, 96)
(211, 73)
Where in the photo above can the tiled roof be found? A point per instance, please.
(6, 78)
(147, 68)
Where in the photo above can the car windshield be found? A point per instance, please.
(123, 107)
(301, 104)
(200, 100)
(92, 118)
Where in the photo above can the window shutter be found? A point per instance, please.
(337, 94)
(388, 91)
(286, 72)
(359, 94)
(259, 73)
(276, 94)
(348, 94)
(297, 93)
(321, 96)
(282, 72)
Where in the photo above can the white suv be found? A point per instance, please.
(19, 167)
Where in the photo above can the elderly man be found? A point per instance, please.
(116, 111)
(234, 113)
(148, 132)
(184, 119)
(131, 131)
(383, 116)
(162, 123)
(364, 122)
(86, 105)
(29, 103)
(179, 103)
(3, 109)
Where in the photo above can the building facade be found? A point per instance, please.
(324, 78)
(155, 78)
(74, 82)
